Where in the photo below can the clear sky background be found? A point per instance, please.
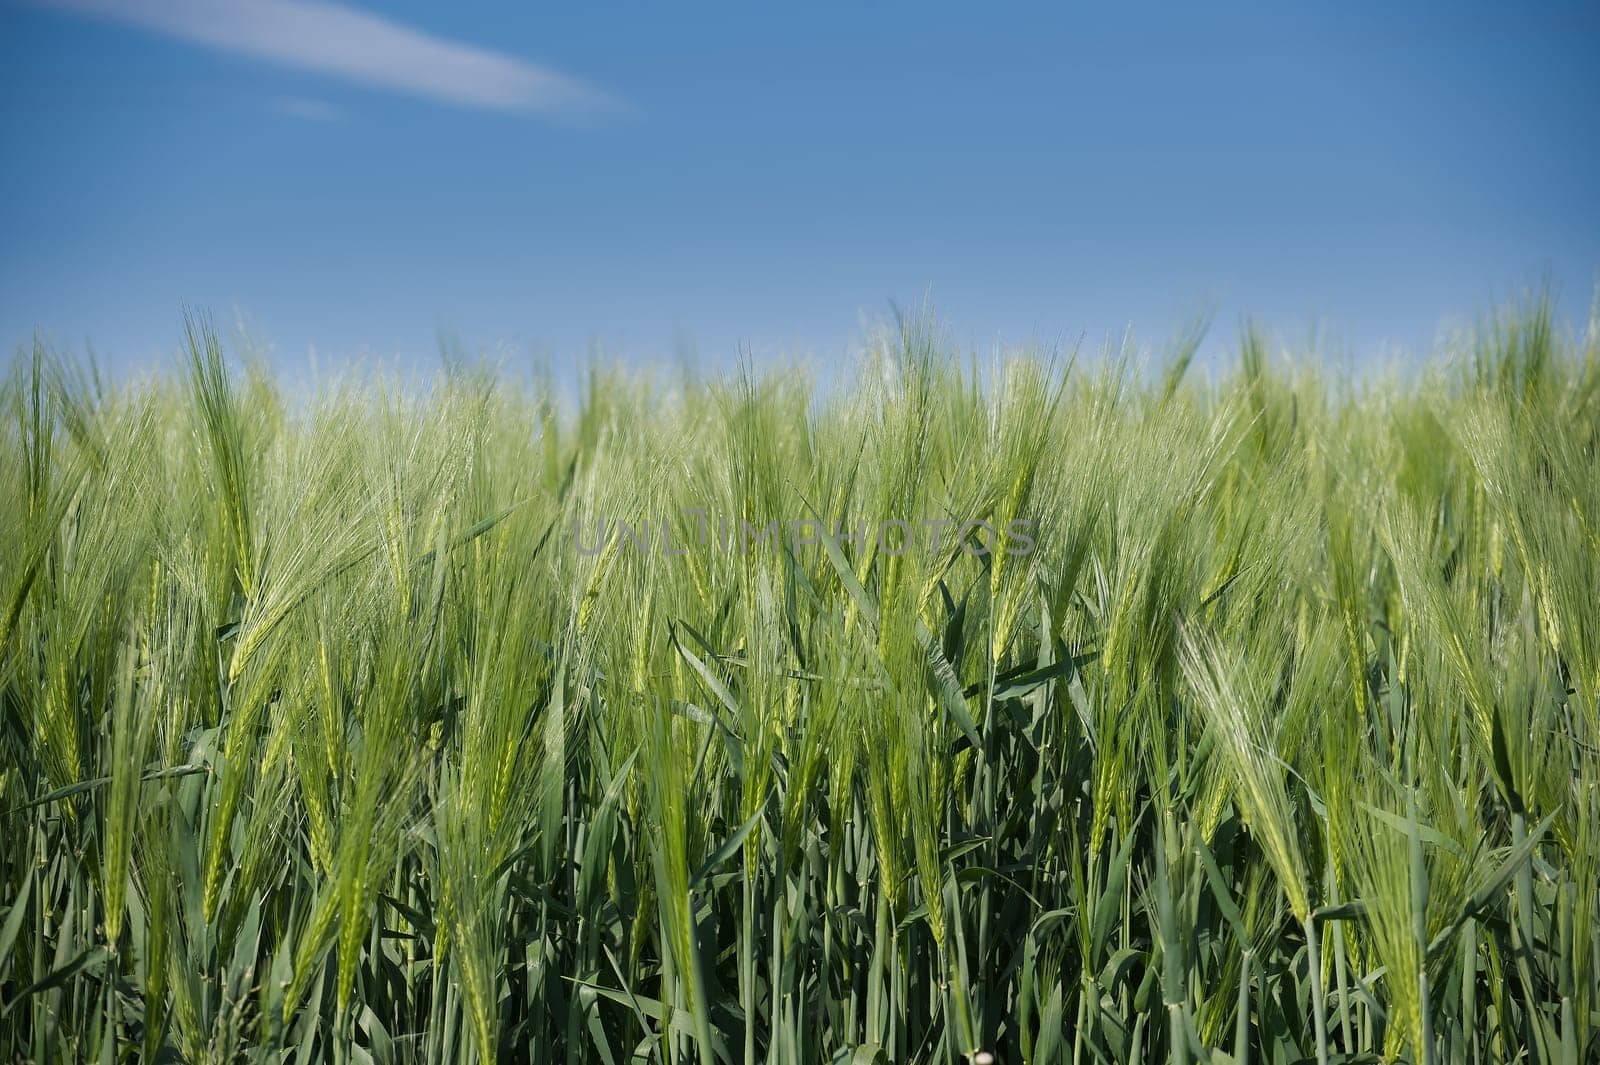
(666, 177)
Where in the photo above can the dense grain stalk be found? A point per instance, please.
(441, 723)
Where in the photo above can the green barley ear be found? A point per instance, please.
(133, 722)
(1228, 697)
(1391, 874)
(221, 437)
(1024, 425)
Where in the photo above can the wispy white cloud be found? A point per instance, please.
(308, 108)
(346, 42)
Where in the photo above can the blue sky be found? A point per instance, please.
(659, 178)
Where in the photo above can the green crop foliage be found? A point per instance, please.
(445, 722)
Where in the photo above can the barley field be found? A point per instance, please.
(1051, 709)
